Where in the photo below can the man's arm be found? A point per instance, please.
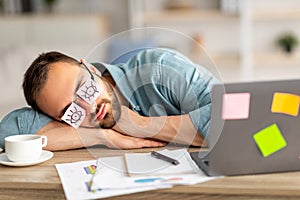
(63, 137)
(177, 86)
(21, 121)
(175, 129)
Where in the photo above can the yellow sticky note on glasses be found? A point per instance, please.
(269, 140)
(285, 103)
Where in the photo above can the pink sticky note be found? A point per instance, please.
(236, 106)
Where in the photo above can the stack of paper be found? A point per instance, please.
(108, 176)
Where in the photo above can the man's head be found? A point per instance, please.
(37, 73)
(50, 86)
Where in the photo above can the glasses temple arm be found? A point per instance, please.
(88, 70)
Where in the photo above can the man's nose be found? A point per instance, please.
(89, 108)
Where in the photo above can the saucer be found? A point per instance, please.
(46, 155)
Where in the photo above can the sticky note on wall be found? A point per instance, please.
(285, 103)
(235, 106)
(269, 140)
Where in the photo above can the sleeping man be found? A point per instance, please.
(157, 97)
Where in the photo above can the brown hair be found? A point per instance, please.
(36, 75)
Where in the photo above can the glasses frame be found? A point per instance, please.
(92, 76)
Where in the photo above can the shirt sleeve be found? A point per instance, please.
(22, 121)
(192, 89)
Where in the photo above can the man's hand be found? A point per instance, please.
(173, 129)
(120, 141)
(133, 124)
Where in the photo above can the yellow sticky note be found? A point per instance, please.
(285, 103)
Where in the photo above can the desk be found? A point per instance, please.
(42, 182)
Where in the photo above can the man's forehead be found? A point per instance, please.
(65, 69)
(74, 74)
(60, 64)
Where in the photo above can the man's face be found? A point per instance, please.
(59, 92)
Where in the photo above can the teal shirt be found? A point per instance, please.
(155, 82)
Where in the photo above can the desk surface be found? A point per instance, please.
(42, 182)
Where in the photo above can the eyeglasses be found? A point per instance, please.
(89, 91)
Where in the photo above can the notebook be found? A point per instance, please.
(254, 129)
(145, 164)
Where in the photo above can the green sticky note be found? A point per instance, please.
(269, 140)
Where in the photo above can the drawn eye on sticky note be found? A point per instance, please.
(285, 103)
(269, 140)
(235, 106)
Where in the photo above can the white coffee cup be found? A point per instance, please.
(24, 148)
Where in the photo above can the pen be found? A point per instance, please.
(165, 158)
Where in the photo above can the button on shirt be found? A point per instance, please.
(155, 82)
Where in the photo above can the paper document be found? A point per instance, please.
(112, 174)
(75, 178)
(145, 164)
(108, 177)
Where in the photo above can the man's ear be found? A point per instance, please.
(94, 70)
(82, 60)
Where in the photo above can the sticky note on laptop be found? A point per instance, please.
(269, 140)
(285, 103)
(235, 106)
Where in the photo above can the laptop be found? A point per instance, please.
(255, 128)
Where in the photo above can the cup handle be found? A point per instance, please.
(44, 140)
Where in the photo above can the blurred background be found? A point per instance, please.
(247, 40)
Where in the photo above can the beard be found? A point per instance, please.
(113, 114)
(113, 111)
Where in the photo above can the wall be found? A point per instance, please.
(242, 44)
(22, 38)
(115, 10)
(73, 29)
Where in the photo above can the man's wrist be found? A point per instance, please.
(93, 136)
